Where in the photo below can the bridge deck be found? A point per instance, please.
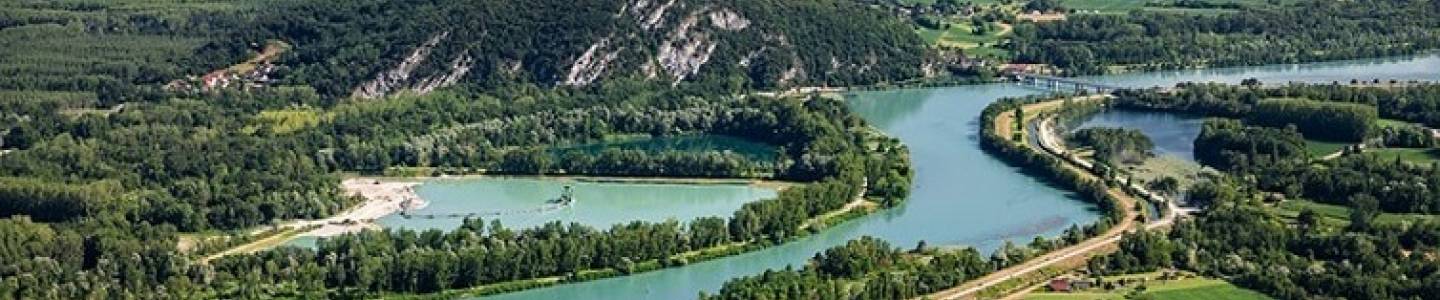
(1036, 79)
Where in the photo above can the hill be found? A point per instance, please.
(373, 48)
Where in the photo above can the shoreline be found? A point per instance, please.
(382, 198)
(777, 185)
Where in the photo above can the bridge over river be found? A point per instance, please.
(1062, 83)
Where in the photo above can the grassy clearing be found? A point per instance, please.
(1214, 289)
(1153, 288)
(1391, 123)
(1124, 6)
(962, 35)
(1338, 216)
(1417, 156)
(1104, 6)
(1319, 148)
(1155, 168)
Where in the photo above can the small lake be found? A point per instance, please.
(597, 204)
(759, 152)
(1173, 134)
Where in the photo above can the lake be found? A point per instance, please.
(597, 204)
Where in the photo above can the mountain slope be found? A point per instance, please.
(372, 48)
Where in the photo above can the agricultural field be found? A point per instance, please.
(1337, 216)
(1154, 288)
(1417, 156)
(1104, 6)
(1125, 6)
(962, 35)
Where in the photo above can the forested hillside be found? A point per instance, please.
(372, 48)
(1306, 31)
(131, 126)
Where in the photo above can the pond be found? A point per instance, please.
(600, 202)
(1173, 134)
(597, 204)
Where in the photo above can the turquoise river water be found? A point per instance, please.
(961, 197)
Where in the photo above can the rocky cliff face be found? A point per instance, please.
(671, 41)
(400, 77)
(687, 44)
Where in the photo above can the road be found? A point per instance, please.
(1097, 245)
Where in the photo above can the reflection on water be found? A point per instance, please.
(1173, 134)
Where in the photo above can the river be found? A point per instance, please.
(962, 196)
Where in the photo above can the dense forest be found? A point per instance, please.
(1113, 145)
(1228, 144)
(1417, 102)
(109, 163)
(1300, 259)
(1277, 161)
(1305, 31)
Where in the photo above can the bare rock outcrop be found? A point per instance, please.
(396, 77)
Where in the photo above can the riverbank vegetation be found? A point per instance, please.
(1043, 165)
(1370, 232)
(869, 268)
(866, 268)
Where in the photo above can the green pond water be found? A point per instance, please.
(962, 196)
(597, 204)
(518, 202)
